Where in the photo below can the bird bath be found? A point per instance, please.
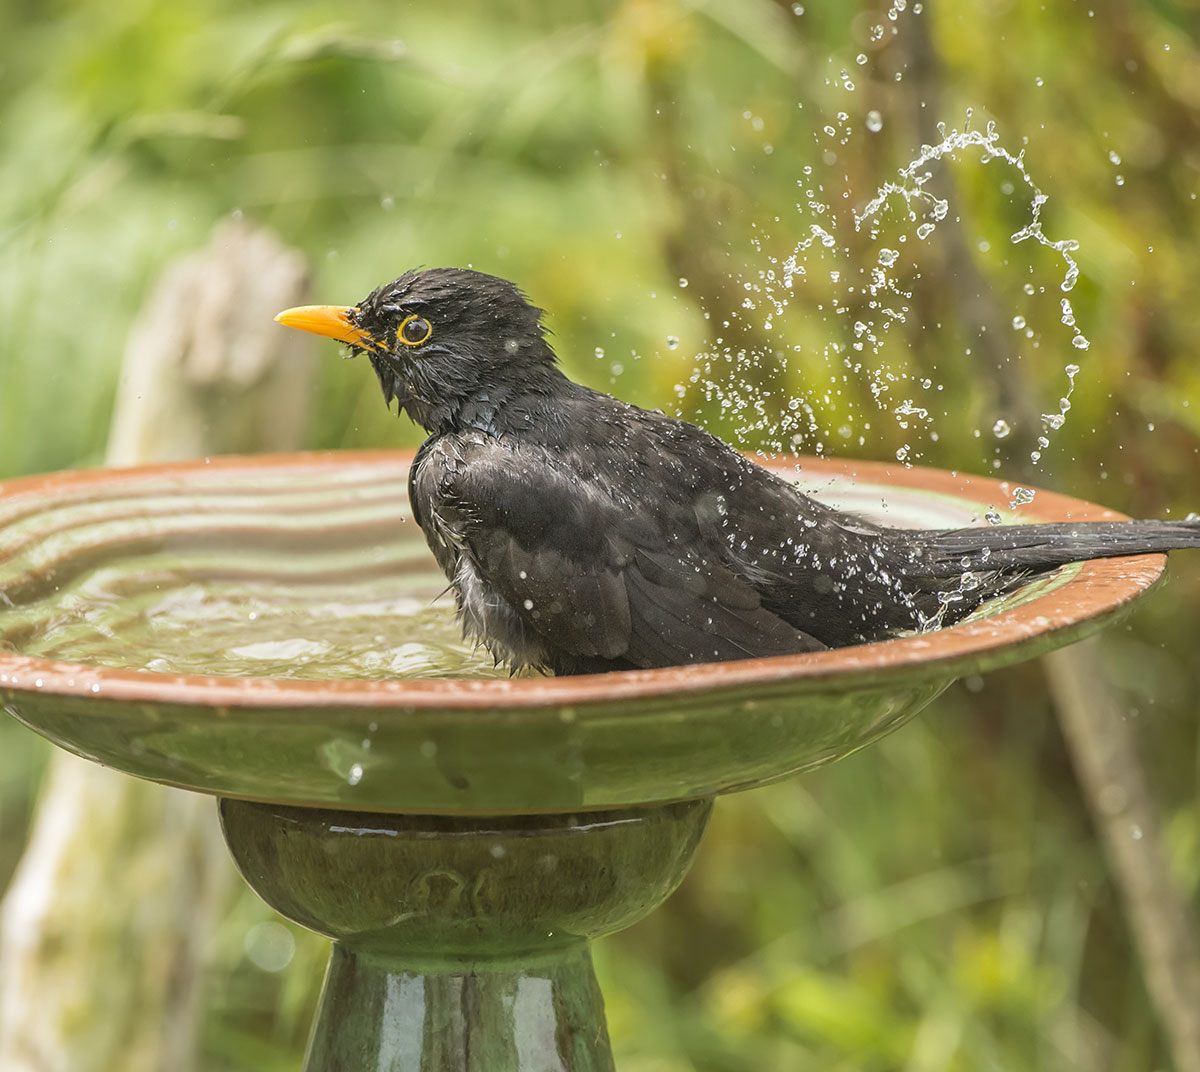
(240, 627)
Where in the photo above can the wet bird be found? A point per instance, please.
(581, 533)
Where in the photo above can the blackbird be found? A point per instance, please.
(582, 534)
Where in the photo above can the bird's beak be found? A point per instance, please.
(330, 320)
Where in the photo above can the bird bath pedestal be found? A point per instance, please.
(460, 839)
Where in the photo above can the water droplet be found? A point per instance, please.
(874, 121)
(672, 342)
(682, 282)
(861, 59)
(355, 775)
(1114, 157)
(1080, 342)
(925, 230)
(600, 351)
(830, 131)
(797, 9)
(528, 604)
(992, 517)
(887, 257)
(1021, 496)
(1018, 322)
(1001, 429)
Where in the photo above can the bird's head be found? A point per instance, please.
(449, 344)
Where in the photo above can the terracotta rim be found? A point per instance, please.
(1101, 588)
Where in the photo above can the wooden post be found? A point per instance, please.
(105, 928)
(1103, 746)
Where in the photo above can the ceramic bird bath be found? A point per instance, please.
(262, 629)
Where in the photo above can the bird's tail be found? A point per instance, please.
(946, 552)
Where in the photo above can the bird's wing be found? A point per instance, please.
(594, 579)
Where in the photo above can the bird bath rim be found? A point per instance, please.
(1099, 589)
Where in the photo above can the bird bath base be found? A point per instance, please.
(462, 943)
(460, 840)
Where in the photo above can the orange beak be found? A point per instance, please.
(332, 321)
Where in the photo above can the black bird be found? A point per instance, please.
(582, 534)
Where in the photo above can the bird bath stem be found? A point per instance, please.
(461, 840)
(462, 943)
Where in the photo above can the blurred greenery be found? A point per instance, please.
(938, 901)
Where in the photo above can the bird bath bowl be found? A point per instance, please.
(261, 629)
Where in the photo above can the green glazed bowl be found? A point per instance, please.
(474, 744)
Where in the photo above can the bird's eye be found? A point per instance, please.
(414, 330)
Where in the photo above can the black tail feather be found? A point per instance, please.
(947, 552)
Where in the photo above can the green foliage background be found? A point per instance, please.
(938, 901)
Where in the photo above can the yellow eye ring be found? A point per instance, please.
(414, 330)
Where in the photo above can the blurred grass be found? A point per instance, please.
(937, 902)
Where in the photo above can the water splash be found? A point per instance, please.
(864, 295)
(921, 201)
(927, 210)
